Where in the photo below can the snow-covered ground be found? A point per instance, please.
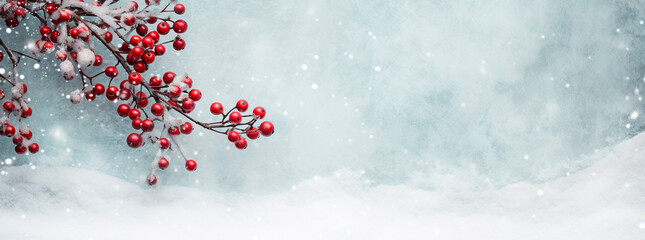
(603, 201)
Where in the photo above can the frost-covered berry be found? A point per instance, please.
(174, 91)
(151, 179)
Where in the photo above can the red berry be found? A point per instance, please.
(73, 33)
(259, 112)
(130, 20)
(151, 179)
(160, 50)
(136, 123)
(148, 57)
(241, 144)
(191, 165)
(64, 16)
(242, 105)
(134, 140)
(1, 94)
(134, 78)
(111, 71)
(174, 91)
(266, 128)
(135, 40)
(17, 139)
(186, 128)
(112, 91)
(9, 106)
(233, 136)
(140, 67)
(179, 9)
(142, 99)
(90, 96)
(165, 144)
(142, 29)
(157, 109)
(125, 94)
(252, 132)
(188, 105)
(27, 135)
(154, 35)
(123, 110)
(235, 117)
(1, 57)
(180, 26)
(136, 52)
(147, 125)
(163, 163)
(155, 81)
(108, 37)
(20, 149)
(217, 108)
(147, 42)
(188, 81)
(173, 131)
(9, 131)
(163, 28)
(179, 44)
(51, 8)
(98, 60)
(168, 77)
(134, 114)
(151, 20)
(195, 95)
(26, 113)
(45, 31)
(130, 59)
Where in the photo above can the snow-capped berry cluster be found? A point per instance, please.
(71, 30)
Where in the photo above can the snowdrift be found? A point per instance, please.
(603, 201)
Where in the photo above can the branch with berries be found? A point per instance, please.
(72, 30)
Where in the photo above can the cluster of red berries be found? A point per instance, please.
(62, 26)
(13, 12)
(21, 136)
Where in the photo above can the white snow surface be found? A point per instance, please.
(603, 201)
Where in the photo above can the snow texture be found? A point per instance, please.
(85, 57)
(603, 201)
